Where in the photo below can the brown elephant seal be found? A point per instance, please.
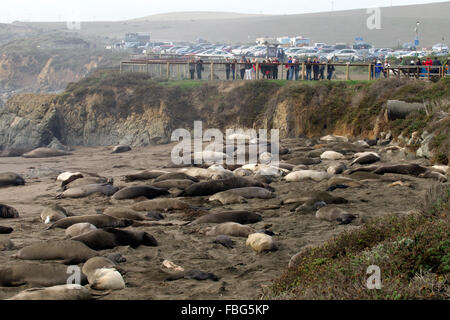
(121, 148)
(36, 274)
(95, 263)
(125, 213)
(166, 204)
(261, 242)
(173, 183)
(70, 251)
(225, 241)
(6, 230)
(195, 275)
(434, 175)
(332, 214)
(109, 238)
(409, 169)
(87, 190)
(11, 179)
(336, 168)
(14, 152)
(231, 229)
(242, 217)
(139, 191)
(78, 229)
(365, 158)
(304, 161)
(236, 195)
(60, 292)
(208, 188)
(175, 176)
(45, 153)
(343, 181)
(53, 213)
(144, 175)
(6, 244)
(7, 212)
(98, 220)
(85, 181)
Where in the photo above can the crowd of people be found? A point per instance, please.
(314, 69)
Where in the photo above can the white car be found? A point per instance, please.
(344, 55)
(440, 47)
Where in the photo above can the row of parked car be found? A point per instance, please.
(338, 53)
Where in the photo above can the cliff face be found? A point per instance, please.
(107, 109)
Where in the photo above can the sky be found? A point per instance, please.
(114, 10)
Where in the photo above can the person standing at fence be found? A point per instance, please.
(316, 69)
(308, 69)
(233, 69)
(386, 70)
(242, 67)
(248, 70)
(436, 62)
(372, 69)
(447, 70)
(228, 68)
(321, 70)
(192, 68)
(378, 69)
(199, 69)
(330, 69)
(275, 68)
(288, 68)
(296, 67)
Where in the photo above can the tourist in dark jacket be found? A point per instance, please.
(233, 69)
(330, 70)
(321, 70)
(308, 64)
(192, 68)
(199, 69)
(275, 68)
(242, 67)
(316, 69)
(436, 62)
(228, 68)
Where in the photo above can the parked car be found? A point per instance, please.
(345, 55)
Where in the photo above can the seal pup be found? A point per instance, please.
(231, 229)
(53, 213)
(225, 241)
(6, 244)
(121, 148)
(408, 169)
(11, 179)
(195, 275)
(78, 229)
(242, 217)
(70, 251)
(6, 230)
(365, 158)
(107, 279)
(336, 168)
(95, 263)
(260, 242)
(86, 190)
(98, 220)
(331, 155)
(7, 212)
(125, 213)
(335, 214)
(236, 195)
(45, 153)
(60, 292)
(139, 191)
(307, 174)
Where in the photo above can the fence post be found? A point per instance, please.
(388, 73)
(121, 66)
(347, 71)
(257, 70)
(168, 70)
(370, 71)
(303, 71)
(326, 68)
(160, 70)
(212, 70)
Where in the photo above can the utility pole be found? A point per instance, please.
(417, 34)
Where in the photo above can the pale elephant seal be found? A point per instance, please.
(231, 229)
(78, 229)
(333, 138)
(6, 230)
(84, 182)
(236, 195)
(139, 191)
(173, 183)
(260, 242)
(331, 155)
(70, 251)
(6, 244)
(225, 241)
(7, 212)
(434, 175)
(95, 263)
(121, 148)
(242, 217)
(144, 175)
(241, 172)
(60, 292)
(45, 153)
(107, 279)
(214, 186)
(109, 238)
(332, 214)
(69, 175)
(365, 158)
(98, 220)
(11, 179)
(307, 174)
(36, 274)
(166, 204)
(87, 190)
(53, 213)
(195, 275)
(336, 168)
(125, 213)
(175, 176)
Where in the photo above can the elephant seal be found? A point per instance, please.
(173, 183)
(36, 274)
(78, 229)
(116, 257)
(84, 182)
(84, 191)
(70, 251)
(195, 275)
(343, 181)
(214, 186)
(365, 158)
(67, 175)
(14, 152)
(335, 214)
(175, 176)
(242, 217)
(6, 244)
(11, 179)
(337, 168)
(240, 172)
(45, 153)
(95, 263)
(6, 230)
(8, 212)
(307, 174)
(231, 229)
(409, 169)
(331, 155)
(53, 213)
(139, 191)
(121, 148)
(144, 175)
(125, 213)
(235, 195)
(107, 279)
(225, 241)
(434, 175)
(166, 204)
(304, 161)
(98, 220)
(60, 292)
(109, 238)
(260, 242)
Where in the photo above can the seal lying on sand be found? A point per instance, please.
(84, 182)
(5, 230)
(78, 229)
(166, 204)
(242, 217)
(365, 158)
(235, 195)
(335, 214)
(36, 274)
(6, 244)
(8, 212)
(98, 220)
(45, 153)
(225, 241)
(61, 292)
(261, 242)
(84, 191)
(194, 274)
(139, 191)
(125, 213)
(53, 213)
(110, 238)
(144, 175)
(121, 148)
(173, 183)
(70, 251)
(11, 179)
(409, 169)
(214, 186)
(232, 229)
(95, 263)
(175, 176)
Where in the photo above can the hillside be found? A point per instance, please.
(397, 24)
